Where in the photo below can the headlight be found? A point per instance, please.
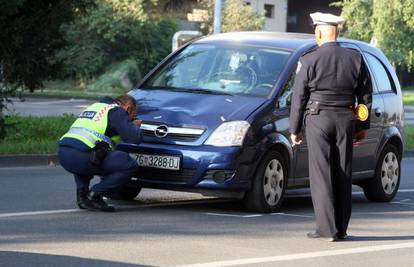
(229, 134)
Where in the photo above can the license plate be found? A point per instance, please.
(158, 161)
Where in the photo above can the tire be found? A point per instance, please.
(269, 184)
(384, 186)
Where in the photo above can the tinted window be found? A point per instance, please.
(226, 69)
(380, 74)
(285, 96)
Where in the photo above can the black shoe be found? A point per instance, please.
(82, 197)
(96, 203)
(318, 236)
(341, 237)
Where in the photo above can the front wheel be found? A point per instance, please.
(384, 186)
(269, 184)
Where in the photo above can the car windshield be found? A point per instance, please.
(221, 69)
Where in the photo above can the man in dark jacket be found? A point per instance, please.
(329, 81)
(88, 149)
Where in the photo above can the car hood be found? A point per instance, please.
(198, 109)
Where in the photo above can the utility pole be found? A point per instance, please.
(218, 6)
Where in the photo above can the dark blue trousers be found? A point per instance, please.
(116, 169)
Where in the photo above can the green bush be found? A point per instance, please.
(120, 78)
(114, 31)
(34, 135)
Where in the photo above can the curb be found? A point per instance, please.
(28, 160)
(52, 160)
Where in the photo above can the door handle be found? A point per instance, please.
(378, 112)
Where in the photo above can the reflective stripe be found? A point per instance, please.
(88, 134)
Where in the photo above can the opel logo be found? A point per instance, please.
(161, 131)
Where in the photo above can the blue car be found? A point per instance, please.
(216, 116)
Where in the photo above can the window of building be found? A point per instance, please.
(269, 11)
(248, 3)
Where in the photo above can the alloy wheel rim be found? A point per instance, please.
(390, 173)
(273, 182)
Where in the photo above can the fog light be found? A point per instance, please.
(219, 176)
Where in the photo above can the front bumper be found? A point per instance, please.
(202, 167)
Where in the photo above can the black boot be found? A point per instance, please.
(96, 203)
(82, 197)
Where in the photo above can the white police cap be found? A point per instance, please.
(319, 18)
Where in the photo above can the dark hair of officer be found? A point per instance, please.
(128, 103)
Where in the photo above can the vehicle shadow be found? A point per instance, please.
(380, 238)
(15, 258)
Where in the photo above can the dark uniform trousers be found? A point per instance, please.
(116, 169)
(329, 137)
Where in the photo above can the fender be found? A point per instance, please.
(390, 133)
(271, 141)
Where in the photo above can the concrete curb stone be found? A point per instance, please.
(28, 160)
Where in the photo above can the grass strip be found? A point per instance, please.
(409, 137)
(34, 135)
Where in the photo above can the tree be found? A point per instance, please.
(30, 34)
(391, 22)
(113, 31)
(237, 16)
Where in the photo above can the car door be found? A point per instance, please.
(300, 170)
(363, 163)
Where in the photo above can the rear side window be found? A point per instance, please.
(381, 75)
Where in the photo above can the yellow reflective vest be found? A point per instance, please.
(91, 125)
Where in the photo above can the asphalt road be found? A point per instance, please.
(47, 106)
(39, 226)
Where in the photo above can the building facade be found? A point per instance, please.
(275, 12)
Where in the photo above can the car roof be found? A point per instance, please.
(283, 40)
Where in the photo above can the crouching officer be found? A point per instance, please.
(87, 149)
(329, 81)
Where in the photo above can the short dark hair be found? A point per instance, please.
(125, 99)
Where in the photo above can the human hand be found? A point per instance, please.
(137, 122)
(296, 139)
(359, 136)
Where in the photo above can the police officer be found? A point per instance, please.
(87, 149)
(329, 81)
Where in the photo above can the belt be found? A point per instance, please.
(86, 133)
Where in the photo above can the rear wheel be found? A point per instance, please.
(269, 184)
(384, 186)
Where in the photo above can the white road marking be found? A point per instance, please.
(353, 193)
(56, 102)
(402, 203)
(301, 256)
(233, 215)
(384, 212)
(292, 215)
(31, 213)
(165, 204)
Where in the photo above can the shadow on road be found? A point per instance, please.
(13, 258)
(380, 238)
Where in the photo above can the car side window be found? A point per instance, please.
(381, 75)
(285, 97)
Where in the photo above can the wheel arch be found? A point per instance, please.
(280, 143)
(391, 136)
